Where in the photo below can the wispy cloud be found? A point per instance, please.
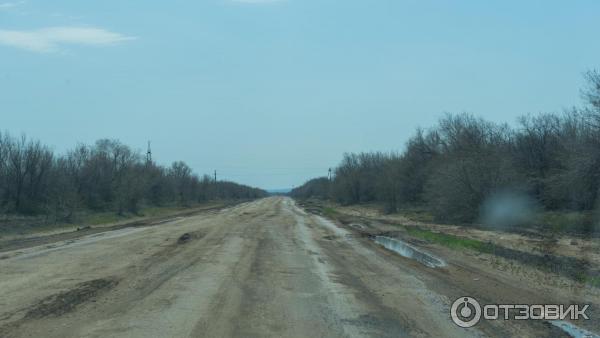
(53, 38)
(10, 5)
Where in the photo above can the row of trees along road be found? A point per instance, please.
(455, 166)
(105, 176)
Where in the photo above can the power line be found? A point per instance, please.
(271, 168)
(315, 173)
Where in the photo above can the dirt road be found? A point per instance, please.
(260, 269)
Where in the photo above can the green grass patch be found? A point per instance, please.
(329, 212)
(102, 218)
(567, 221)
(417, 215)
(450, 241)
(593, 281)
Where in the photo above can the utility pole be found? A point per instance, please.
(216, 186)
(149, 154)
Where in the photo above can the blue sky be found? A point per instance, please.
(271, 93)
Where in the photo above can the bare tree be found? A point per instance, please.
(105, 176)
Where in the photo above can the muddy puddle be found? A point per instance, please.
(572, 330)
(409, 251)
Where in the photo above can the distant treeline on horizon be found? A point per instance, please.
(455, 167)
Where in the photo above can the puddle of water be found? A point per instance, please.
(357, 226)
(410, 251)
(573, 330)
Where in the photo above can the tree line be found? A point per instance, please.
(457, 165)
(105, 176)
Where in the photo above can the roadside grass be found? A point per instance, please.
(584, 278)
(580, 222)
(20, 225)
(417, 214)
(554, 222)
(459, 243)
(329, 212)
(450, 241)
(593, 281)
(108, 217)
(101, 218)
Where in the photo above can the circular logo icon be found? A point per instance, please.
(465, 312)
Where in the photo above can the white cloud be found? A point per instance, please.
(10, 5)
(52, 38)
